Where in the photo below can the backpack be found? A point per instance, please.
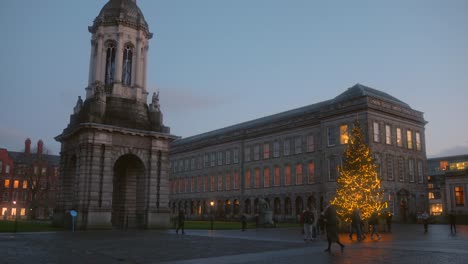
(309, 217)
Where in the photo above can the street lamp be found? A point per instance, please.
(211, 206)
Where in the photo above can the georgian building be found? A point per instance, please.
(290, 159)
(28, 182)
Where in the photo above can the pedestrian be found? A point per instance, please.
(374, 222)
(425, 220)
(356, 224)
(388, 219)
(181, 222)
(453, 222)
(314, 224)
(244, 222)
(331, 224)
(309, 220)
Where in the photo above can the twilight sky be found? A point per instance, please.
(218, 62)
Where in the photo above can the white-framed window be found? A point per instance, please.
(186, 165)
(344, 134)
(418, 141)
(390, 167)
(266, 150)
(200, 162)
(212, 159)
(206, 160)
(286, 147)
(420, 172)
(7, 168)
(236, 156)
(247, 154)
(331, 137)
(376, 132)
(298, 145)
(192, 163)
(411, 170)
(401, 169)
(220, 158)
(257, 152)
(332, 168)
(409, 138)
(310, 143)
(388, 134)
(398, 137)
(276, 149)
(228, 157)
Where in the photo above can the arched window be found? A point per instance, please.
(110, 63)
(127, 65)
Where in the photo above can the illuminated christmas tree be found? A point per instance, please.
(358, 185)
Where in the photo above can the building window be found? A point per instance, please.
(431, 195)
(298, 145)
(200, 162)
(398, 137)
(127, 65)
(390, 167)
(206, 161)
(247, 154)
(4, 211)
(7, 168)
(266, 151)
(331, 136)
(257, 178)
(228, 157)
(247, 179)
(236, 156)
(311, 171)
(220, 158)
(7, 183)
(23, 212)
(13, 211)
(192, 164)
(418, 141)
(236, 180)
(213, 159)
(193, 186)
(299, 174)
(16, 184)
(186, 165)
(220, 182)
(388, 135)
(376, 132)
(420, 172)
(110, 63)
(213, 183)
(287, 175)
(228, 181)
(266, 177)
(25, 184)
(277, 180)
(187, 185)
(401, 170)
(287, 147)
(378, 163)
(344, 134)
(411, 170)
(207, 180)
(256, 152)
(181, 186)
(409, 138)
(25, 195)
(276, 149)
(459, 196)
(310, 143)
(332, 169)
(200, 184)
(6, 195)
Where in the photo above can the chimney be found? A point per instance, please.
(40, 146)
(27, 146)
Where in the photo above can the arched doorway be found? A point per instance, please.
(128, 195)
(277, 206)
(287, 206)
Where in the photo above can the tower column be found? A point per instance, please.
(145, 64)
(119, 58)
(137, 80)
(100, 59)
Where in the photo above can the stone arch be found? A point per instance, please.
(122, 151)
(287, 206)
(277, 206)
(129, 192)
(247, 206)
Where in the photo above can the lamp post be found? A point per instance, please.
(16, 217)
(211, 206)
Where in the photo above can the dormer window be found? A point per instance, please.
(110, 63)
(127, 65)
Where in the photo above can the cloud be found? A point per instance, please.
(452, 151)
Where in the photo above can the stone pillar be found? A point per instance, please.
(100, 58)
(137, 80)
(145, 64)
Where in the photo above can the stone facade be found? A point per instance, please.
(115, 150)
(290, 159)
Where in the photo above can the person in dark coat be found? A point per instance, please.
(244, 222)
(181, 222)
(453, 222)
(331, 224)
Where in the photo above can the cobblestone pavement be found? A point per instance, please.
(407, 244)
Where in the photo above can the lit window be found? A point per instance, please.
(13, 211)
(257, 178)
(266, 177)
(399, 141)
(16, 184)
(376, 132)
(287, 147)
(436, 209)
(287, 175)
(228, 181)
(431, 195)
(331, 136)
(311, 171)
(310, 143)
(344, 135)
(298, 145)
(23, 211)
(4, 210)
(459, 196)
(444, 165)
(277, 180)
(298, 174)
(266, 151)
(409, 138)
(418, 141)
(247, 179)
(430, 186)
(7, 183)
(388, 135)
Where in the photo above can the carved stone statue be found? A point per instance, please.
(265, 216)
(155, 102)
(78, 106)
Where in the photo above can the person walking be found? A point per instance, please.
(181, 222)
(331, 224)
(425, 220)
(309, 220)
(356, 225)
(453, 222)
(374, 222)
(315, 224)
(388, 219)
(244, 222)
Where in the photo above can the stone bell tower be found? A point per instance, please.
(114, 154)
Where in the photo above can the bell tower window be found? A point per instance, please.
(127, 65)
(110, 63)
